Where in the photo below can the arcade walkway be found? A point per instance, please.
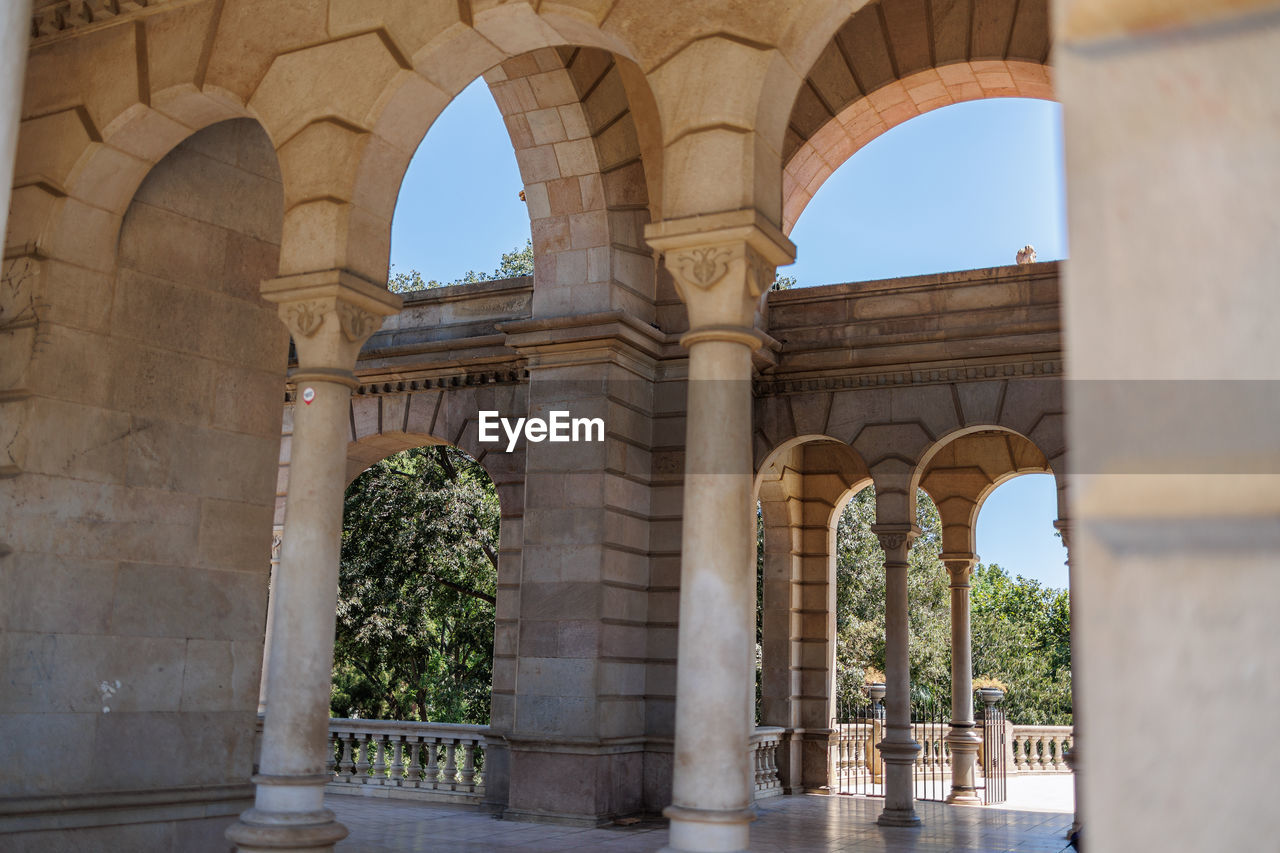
(798, 824)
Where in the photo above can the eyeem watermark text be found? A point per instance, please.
(558, 426)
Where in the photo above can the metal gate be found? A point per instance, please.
(858, 769)
(859, 726)
(994, 766)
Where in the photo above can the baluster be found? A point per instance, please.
(330, 762)
(1059, 752)
(364, 751)
(450, 782)
(346, 766)
(467, 775)
(380, 763)
(397, 761)
(415, 769)
(1038, 753)
(1019, 758)
(433, 770)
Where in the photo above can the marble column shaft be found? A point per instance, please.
(898, 749)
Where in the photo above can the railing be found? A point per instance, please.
(765, 743)
(855, 765)
(1040, 749)
(427, 761)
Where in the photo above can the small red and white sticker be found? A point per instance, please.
(308, 394)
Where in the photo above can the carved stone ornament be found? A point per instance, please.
(306, 318)
(760, 273)
(891, 541)
(357, 324)
(703, 267)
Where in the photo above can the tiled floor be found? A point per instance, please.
(798, 824)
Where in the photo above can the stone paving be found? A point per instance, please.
(797, 824)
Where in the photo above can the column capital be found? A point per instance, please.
(1063, 526)
(330, 314)
(895, 540)
(722, 263)
(959, 566)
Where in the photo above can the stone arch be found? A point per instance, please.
(584, 162)
(389, 422)
(894, 420)
(372, 96)
(802, 487)
(964, 467)
(89, 137)
(889, 62)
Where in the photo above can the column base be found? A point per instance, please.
(708, 830)
(300, 832)
(963, 797)
(898, 817)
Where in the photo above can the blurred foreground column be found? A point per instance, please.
(1170, 300)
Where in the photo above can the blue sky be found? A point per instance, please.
(962, 187)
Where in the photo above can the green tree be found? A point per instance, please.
(416, 592)
(1022, 636)
(860, 599)
(519, 261)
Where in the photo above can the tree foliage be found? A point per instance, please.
(519, 261)
(416, 591)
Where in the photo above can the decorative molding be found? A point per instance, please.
(72, 15)
(703, 267)
(471, 379)
(357, 323)
(769, 386)
(305, 318)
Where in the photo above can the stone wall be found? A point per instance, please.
(136, 587)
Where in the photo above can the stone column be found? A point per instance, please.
(897, 749)
(277, 539)
(722, 264)
(329, 314)
(1073, 755)
(15, 33)
(963, 738)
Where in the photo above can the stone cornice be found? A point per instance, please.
(54, 21)
(842, 380)
(746, 225)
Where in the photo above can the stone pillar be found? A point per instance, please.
(722, 265)
(1073, 755)
(329, 314)
(963, 739)
(277, 539)
(15, 33)
(898, 749)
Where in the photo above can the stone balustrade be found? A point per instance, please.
(1040, 749)
(407, 760)
(1031, 749)
(765, 743)
(444, 761)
